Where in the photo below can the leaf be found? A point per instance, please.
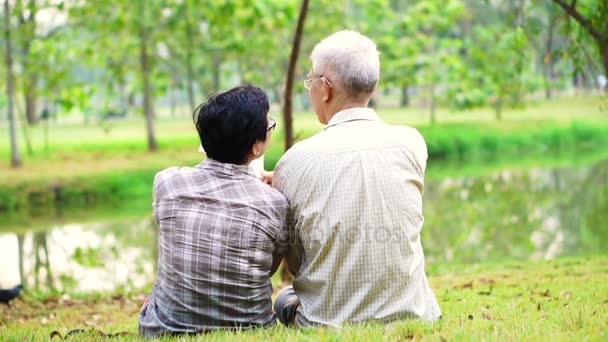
(468, 285)
(487, 317)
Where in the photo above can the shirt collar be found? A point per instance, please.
(226, 168)
(353, 114)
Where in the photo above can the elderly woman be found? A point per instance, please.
(222, 230)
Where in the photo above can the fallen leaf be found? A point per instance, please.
(487, 280)
(566, 294)
(487, 317)
(468, 285)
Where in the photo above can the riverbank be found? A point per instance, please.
(84, 181)
(84, 166)
(510, 300)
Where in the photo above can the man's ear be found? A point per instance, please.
(327, 92)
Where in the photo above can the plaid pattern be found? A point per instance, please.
(219, 229)
(355, 192)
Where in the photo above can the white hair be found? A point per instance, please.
(350, 60)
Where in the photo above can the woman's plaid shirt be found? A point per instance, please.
(219, 229)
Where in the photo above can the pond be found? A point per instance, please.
(511, 214)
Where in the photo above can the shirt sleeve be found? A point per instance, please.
(282, 239)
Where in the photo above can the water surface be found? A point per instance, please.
(528, 214)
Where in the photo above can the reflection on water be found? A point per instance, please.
(526, 214)
(80, 257)
(531, 214)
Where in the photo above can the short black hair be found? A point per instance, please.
(229, 123)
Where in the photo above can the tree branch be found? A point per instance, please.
(571, 10)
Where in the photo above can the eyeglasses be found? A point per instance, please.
(308, 81)
(273, 124)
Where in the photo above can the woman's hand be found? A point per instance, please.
(267, 177)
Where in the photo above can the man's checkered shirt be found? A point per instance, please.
(355, 195)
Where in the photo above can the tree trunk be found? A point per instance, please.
(433, 105)
(498, 108)
(145, 74)
(10, 89)
(604, 49)
(189, 79)
(24, 128)
(293, 59)
(172, 102)
(217, 65)
(189, 69)
(31, 110)
(405, 96)
(548, 61)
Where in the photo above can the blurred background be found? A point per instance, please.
(509, 95)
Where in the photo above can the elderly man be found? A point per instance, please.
(355, 194)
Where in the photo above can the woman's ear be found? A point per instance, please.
(258, 149)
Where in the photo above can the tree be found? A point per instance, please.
(32, 33)
(432, 27)
(543, 24)
(498, 66)
(144, 60)
(592, 16)
(123, 34)
(10, 88)
(293, 59)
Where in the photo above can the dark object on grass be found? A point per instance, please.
(90, 332)
(7, 295)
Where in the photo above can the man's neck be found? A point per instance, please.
(345, 106)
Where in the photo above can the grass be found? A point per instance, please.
(542, 300)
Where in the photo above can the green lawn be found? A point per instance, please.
(563, 299)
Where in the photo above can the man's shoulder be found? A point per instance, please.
(406, 133)
(305, 148)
